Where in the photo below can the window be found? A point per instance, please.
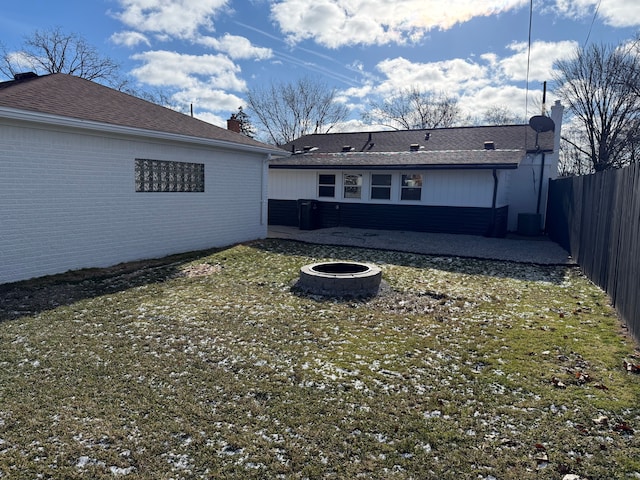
(352, 185)
(411, 187)
(380, 187)
(164, 176)
(326, 186)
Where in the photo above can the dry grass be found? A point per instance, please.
(210, 366)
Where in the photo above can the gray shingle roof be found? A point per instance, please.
(444, 159)
(439, 148)
(73, 97)
(504, 137)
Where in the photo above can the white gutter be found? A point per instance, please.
(57, 120)
(264, 201)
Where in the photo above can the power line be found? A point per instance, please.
(526, 98)
(593, 20)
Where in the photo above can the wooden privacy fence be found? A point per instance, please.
(596, 218)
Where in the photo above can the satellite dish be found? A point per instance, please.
(540, 124)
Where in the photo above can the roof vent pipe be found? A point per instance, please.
(489, 146)
(25, 75)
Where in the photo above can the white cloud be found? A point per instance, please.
(206, 100)
(511, 97)
(202, 80)
(21, 62)
(212, 118)
(175, 18)
(129, 39)
(621, 13)
(236, 47)
(616, 13)
(449, 76)
(480, 83)
(357, 92)
(334, 23)
(354, 125)
(163, 68)
(541, 59)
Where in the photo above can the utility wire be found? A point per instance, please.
(526, 91)
(526, 98)
(593, 20)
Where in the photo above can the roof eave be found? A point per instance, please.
(444, 166)
(69, 122)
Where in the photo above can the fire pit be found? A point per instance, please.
(340, 279)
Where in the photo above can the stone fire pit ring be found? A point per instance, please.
(340, 279)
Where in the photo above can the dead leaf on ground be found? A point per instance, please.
(601, 420)
(631, 366)
(558, 383)
(623, 427)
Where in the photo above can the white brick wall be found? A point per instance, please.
(68, 201)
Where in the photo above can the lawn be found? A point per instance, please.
(210, 365)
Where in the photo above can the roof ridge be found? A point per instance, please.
(418, 152)
(79, 99)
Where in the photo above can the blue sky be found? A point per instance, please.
(208, 52)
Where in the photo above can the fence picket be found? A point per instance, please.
(597, 218)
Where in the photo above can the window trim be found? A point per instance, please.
(411, 188)
(380, 186)
(356, 188)
(326, 185)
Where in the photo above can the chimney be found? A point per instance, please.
(233, 124)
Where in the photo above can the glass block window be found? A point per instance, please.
(164, 176)
(411, 187)
(352, 185)
(326, 186)
(380, 186)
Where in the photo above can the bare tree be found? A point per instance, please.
(414, 108)
(53, 51)
(289, 110)
(599, 85)
(571, 159)
(155, 95)
(500, 115)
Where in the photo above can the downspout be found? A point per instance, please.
(540, 186)
(492, 230)
(544, 101)
(263, 189)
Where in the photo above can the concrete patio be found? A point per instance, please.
(537, 250)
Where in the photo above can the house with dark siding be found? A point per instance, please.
(481, 180)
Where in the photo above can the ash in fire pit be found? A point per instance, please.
(340, 279)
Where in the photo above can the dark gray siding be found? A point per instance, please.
(283, 212)
(418, 218)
